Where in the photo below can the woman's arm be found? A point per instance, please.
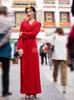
(20, 47)
(20, 43)
(33, 33)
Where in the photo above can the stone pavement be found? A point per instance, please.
(49, 90)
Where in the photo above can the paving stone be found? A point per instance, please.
(49, 91)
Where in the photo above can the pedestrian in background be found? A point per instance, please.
(28, 53)
(59, 57)
(70, 46)
(72, 8)
(16, 56)
(43, 53)
(5, 49)
(49, 53)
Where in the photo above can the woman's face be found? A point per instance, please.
(30, 13)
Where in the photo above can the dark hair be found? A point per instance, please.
(3, 10)
(59, 30)
(31, 7)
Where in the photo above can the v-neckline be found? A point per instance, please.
(29, 23)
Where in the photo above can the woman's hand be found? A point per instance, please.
(20, 52)
(20, 34)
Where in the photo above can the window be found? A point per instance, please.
(19, 17)
(24, 2)
(49, 16)
(64, 1)
(49, 19)
(64, 17)
(49, 1)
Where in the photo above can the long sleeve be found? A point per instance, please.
(33, 33)
(20, 40)
(20, 43)
(6, 38)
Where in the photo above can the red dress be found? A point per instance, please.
(30, 73)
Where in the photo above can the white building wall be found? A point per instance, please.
(56, 11)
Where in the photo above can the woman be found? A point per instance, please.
(5, 49)
(59, 57)
(27, 49)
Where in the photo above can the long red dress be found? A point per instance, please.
(30, 73)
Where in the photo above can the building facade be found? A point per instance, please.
(52, 13)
